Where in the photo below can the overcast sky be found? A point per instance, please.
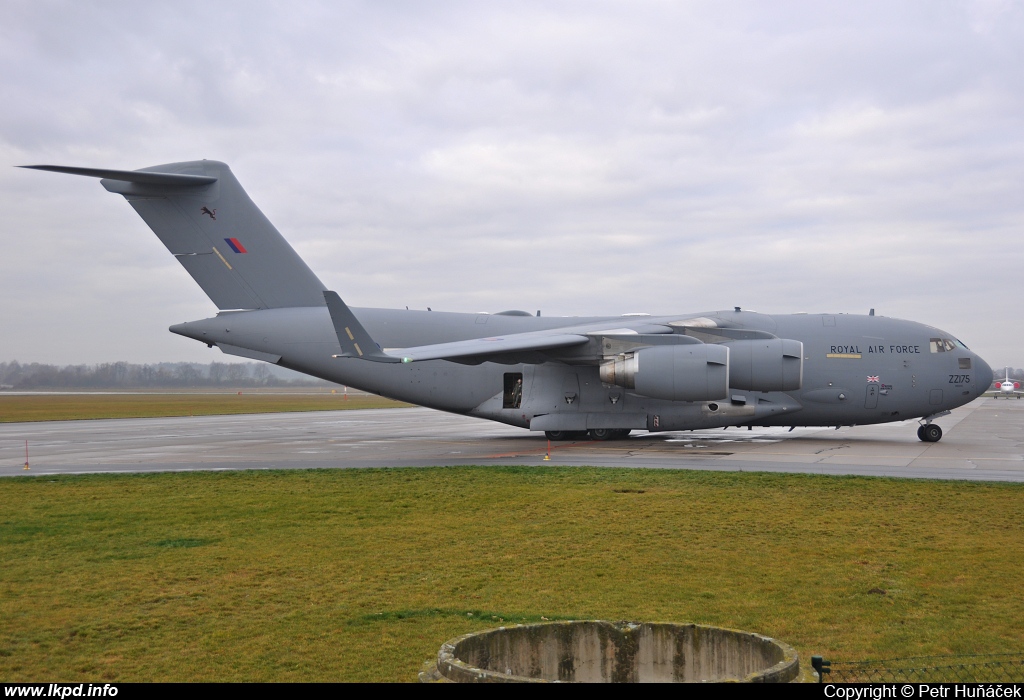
(573, 157)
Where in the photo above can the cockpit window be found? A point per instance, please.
(942, 345)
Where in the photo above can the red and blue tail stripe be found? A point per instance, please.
(235, 245)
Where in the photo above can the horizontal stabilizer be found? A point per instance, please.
(141, 177)
(355, 341)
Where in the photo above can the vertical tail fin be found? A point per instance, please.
(204, 217)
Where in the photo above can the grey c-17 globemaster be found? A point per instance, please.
(568, 377)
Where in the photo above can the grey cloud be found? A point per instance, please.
(578, 158)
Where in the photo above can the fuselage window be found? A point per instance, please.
(513, 394)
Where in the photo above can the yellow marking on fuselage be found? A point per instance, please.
(845, 355)
(222, 257)
(350, 336)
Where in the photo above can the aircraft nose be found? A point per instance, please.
(983, 374)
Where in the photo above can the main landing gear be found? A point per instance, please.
(594, 434)
(929, 432)
(562, 435)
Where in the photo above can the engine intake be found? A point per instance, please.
(672, 372)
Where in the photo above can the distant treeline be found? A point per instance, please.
(124, 375)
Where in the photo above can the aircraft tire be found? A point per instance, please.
(622, 433)
(931, 433)
(602, 433)
(558, 435)
(920, 433)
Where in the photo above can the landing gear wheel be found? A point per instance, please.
(577, 435)
(930, 433)
(559, 435)
(622, 434)
(602, 433)
(920, 433)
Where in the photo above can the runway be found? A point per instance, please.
(982, 441)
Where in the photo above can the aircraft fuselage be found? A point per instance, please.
(856, 369)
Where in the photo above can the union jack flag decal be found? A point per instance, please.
(873, 379)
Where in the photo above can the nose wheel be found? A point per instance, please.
(929, 433)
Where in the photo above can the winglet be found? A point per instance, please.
(355, 341)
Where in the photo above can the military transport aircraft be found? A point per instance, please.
(600, 376)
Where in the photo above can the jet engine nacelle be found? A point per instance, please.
(673, 372)
(774, 364)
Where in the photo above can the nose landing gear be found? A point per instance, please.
(929, 432)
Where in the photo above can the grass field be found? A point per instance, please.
(359, 575)
(16, 409)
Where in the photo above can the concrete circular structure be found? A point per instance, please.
(595, 651)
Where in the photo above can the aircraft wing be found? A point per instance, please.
(356, 342)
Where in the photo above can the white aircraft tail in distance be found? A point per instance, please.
(1007, 387)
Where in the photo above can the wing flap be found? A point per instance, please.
(479, 347)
